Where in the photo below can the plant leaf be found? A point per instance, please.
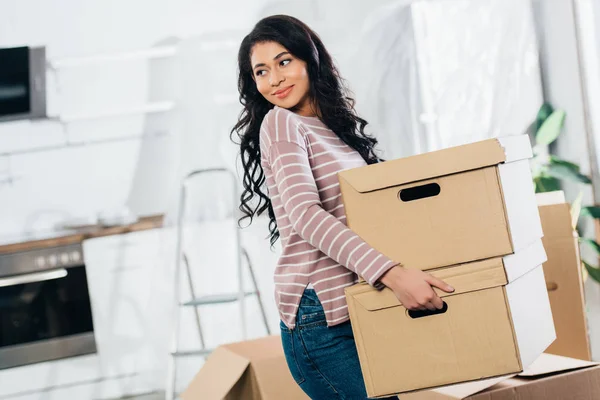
(546, 184)
(576, 210)
(543, 113)
(566, 171)
(551, 128)
(591, 211)
(539, 188)
(568, 164)
(593, 244)
(592, 271)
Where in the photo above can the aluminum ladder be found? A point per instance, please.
(199, 301)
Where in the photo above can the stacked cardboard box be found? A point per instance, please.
(468, 215)
(491, 325)
(563, 277)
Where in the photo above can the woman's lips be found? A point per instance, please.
(282, 94)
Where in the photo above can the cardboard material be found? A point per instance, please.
(253, 370)
(550, 377)
(446, 207)
(563, 278)
(491, 326)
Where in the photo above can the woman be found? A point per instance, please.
(298, 129)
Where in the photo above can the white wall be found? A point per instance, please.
(40, 188)
(141, 157)
(50, 172)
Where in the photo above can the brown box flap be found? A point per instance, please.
(221, 371)
(544, 365)
(456, 391)
(555, 214)
(464, 278)
(257, 349)
(551, 363)
(262, 357)
(438, 163)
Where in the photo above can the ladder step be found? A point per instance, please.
(216, 299)
(188, 353)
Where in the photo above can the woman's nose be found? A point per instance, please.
(276, 78)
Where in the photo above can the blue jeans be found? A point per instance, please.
(323, 360)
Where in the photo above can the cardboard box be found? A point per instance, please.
(253, 370)
(497, 322)
(446, 207)
(563, 277)
(551, 377)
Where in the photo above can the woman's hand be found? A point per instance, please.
(413, 288)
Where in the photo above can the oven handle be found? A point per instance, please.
(35, 277)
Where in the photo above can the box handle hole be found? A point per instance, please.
(419, 192)
(551, 286)
(414, 314)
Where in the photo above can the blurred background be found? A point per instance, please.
(106, 106)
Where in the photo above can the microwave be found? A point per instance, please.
(22, 83)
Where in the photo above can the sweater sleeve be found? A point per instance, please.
(289, 162)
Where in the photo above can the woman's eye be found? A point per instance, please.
(259, 72)
(286, 62)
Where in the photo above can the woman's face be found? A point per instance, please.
(281, 78)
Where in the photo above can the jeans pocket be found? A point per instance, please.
(287, 341)
(316, 318)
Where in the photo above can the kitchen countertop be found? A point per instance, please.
(60, 238)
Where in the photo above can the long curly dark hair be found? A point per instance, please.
(328, 93)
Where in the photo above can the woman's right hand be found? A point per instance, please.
(413, 288)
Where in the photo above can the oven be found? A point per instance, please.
(45, 311)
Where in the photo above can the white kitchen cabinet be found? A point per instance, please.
(125, 274)
(130, 279)
(129, 291)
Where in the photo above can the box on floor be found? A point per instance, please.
(550, 377)
(446, 207)
(253, 370)
(496, 322)
(564, 277)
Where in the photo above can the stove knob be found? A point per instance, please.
(52, 260)
(75, 256)
(40, 262)
(64, 258)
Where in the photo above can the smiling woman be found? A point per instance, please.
(297, 130)
(281, 78)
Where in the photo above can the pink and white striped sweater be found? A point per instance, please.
(301, 158)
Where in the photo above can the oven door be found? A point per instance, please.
(45, 316)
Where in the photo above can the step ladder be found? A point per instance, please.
(196, 302)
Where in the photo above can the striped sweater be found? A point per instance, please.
(301, 157)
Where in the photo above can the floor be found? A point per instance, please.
(149, 396)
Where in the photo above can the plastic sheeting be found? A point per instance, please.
(434, 74)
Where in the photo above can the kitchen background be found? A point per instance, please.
(141, 93)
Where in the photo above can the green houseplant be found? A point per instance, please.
(549, 171)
